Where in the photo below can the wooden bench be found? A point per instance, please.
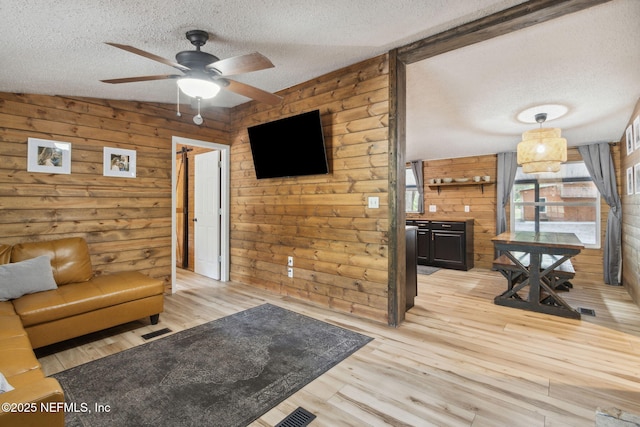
(558, 278)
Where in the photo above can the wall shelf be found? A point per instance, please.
(481, 184)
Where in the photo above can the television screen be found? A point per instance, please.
(293, 146)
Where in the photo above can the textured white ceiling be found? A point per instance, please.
(465, 102)
(57, 47)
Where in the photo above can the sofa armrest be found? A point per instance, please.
(31, 405)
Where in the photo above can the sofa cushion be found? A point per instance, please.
(78, 298)
(16, 356)
(25, 378)
(6, 309)
(25, 277)
(5, 254)
(11, 326)
(69, 258)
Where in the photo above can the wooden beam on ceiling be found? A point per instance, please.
(515, 18)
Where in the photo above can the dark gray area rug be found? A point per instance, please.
(227, 372)
(427, 269)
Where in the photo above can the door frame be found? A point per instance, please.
(224, 204)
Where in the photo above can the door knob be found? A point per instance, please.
(195, 220)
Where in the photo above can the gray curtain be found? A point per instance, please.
(597, 158)
(507, 167)
(416, 167)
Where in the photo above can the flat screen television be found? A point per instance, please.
(293, 146)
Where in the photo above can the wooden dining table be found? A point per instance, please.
(542, 296)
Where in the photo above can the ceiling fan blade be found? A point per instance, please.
(251, 92)
(142, 78)
(241, 64)
(149, 55)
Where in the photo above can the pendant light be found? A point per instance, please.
(542, 150)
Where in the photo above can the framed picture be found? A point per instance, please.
(629, 139)
(629, 181)
(636, 176)
(119, 162)
(48, 156)
(636, 132)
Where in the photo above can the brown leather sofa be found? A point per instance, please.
(32, 390)
(81, 304)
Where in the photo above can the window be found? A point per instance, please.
(412, 196)
(543, 204)
(567, 201)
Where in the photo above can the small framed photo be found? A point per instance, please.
(629, 181)
(636, 132)
(636, 176)
(119, 162)
(629, 139)
(48, 156)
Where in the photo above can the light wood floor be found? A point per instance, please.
(458, 360)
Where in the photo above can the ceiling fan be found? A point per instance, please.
(204, 74)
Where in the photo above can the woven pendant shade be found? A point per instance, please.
(542, 150)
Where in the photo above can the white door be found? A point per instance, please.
(207, 215)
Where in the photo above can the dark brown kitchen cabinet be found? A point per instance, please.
(447, 244)
(412, 268)
(423, 242)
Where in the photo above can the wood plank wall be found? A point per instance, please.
(339, 245)
(630, 218)
(451, 201)
(126, 221)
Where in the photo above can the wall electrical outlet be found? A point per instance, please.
(374, 202)
(466, 208)
(290, 272)
(290, 261)
(432, 208)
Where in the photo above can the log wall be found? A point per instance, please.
(630, 218)
(126, 221)
(339, 245)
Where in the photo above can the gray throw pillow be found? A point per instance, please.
(26, 277)
(4, 385)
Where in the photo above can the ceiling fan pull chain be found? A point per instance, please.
(198, 119)
(178, 101)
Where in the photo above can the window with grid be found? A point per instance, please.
(567, 201)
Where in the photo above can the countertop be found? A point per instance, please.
(461, 219)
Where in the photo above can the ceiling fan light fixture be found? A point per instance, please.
(204, 73)
(198, 88)
(542, 150)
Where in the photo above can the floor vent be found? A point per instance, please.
(587, 311)
(156, 333)
(298, 418)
